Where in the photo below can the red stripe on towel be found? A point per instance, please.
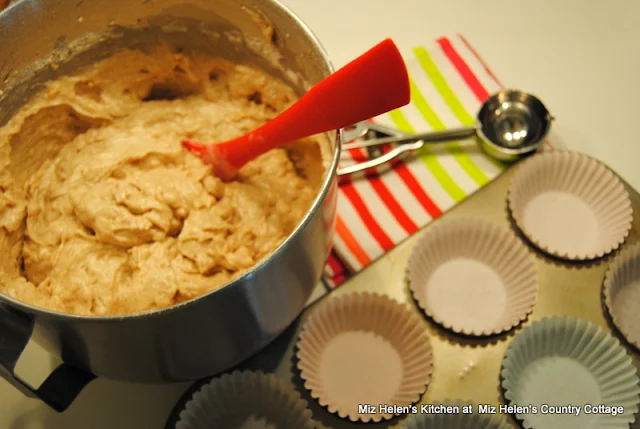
(463, 69)
(368, 219)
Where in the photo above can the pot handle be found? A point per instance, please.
(62, 386)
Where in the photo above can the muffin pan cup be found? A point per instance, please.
(572, 374)
(473, 277)
(368, 349)
(622, 293)
(475, 420)
(570, 205)
(246, 400)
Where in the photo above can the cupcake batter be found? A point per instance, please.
(103, 212)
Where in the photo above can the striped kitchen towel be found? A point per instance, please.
(449, 82)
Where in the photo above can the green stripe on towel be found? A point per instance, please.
(429, 159)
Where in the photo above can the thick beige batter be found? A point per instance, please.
(103, 212)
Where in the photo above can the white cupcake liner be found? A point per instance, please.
(456, 420)
(570, 205)
(562, 361)
(246, 400)
(473, 277)
(621, 292)
(364, 348)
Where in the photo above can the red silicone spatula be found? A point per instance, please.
(372, 84)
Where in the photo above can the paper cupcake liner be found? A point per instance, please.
(246, 400)
(622, 293)
(473, 277)
(365, 349)
(565, 361)
(456, 419)
(570, 205)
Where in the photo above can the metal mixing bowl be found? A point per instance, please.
(217, 330)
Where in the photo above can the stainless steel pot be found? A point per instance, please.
(220, 329)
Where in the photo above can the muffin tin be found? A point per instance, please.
(465, 367)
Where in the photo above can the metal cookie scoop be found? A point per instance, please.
(510, 125)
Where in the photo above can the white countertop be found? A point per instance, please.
(580, 57)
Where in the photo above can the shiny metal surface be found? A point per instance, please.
(365, 128)
(217, 330)
(464, 367)
(510, 125)
(429, 137)
(393, 154)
